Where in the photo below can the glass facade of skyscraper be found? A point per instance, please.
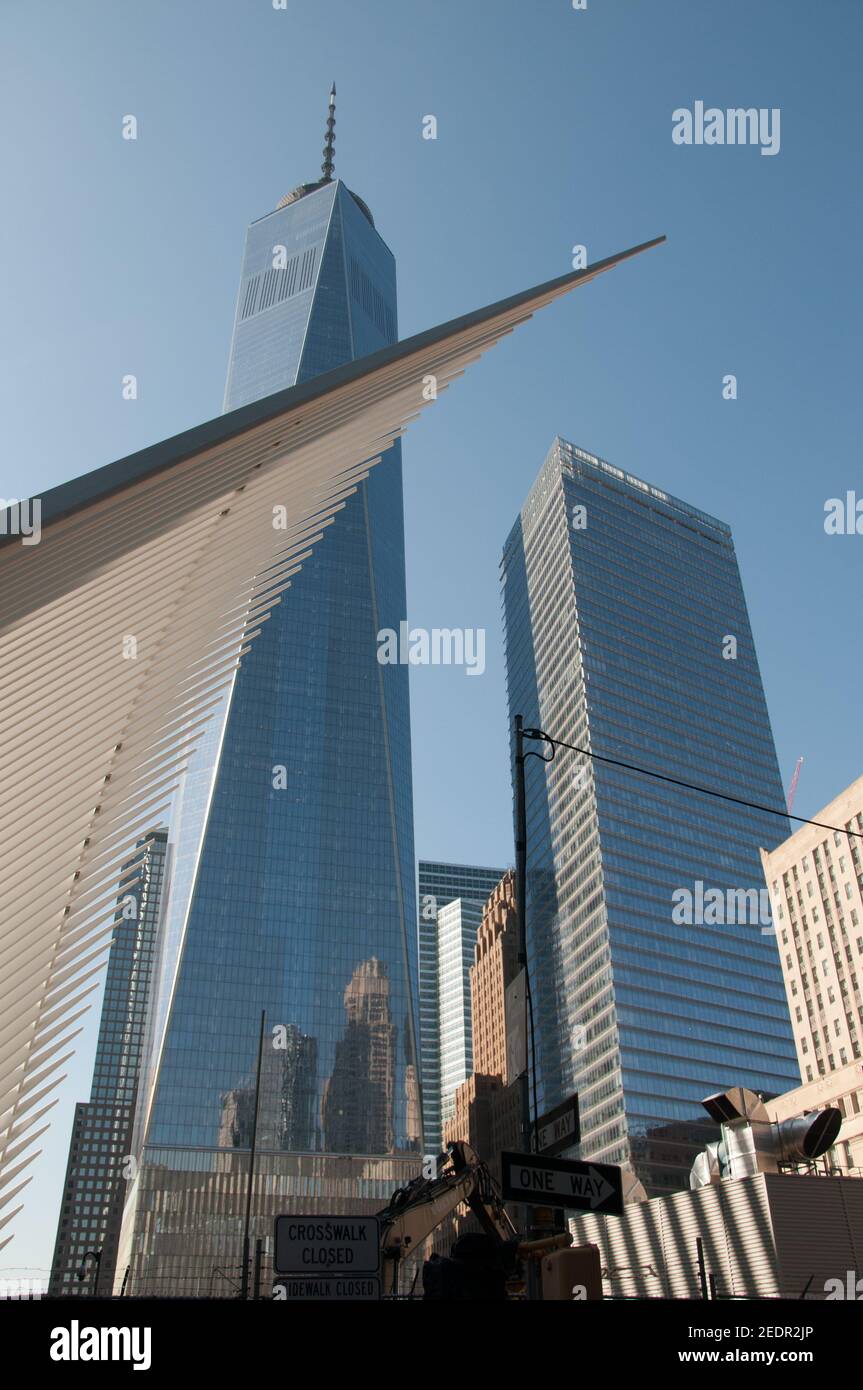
(300, 900)
(95, 1185)
(458, 924)
(440, 884)
(620, 606)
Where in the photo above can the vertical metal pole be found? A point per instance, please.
(702, 1268)
(521, 907)
(244, 1283)
(259, 1251)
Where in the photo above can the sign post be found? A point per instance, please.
(560, 1182)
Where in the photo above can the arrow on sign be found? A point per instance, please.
(595, 1187)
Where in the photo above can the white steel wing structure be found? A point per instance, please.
(118, 632)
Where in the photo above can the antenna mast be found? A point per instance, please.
(329, 163)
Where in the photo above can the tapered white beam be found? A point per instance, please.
(121, 627)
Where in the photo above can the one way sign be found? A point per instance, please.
(558, 1182)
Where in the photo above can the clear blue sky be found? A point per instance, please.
(554, 128)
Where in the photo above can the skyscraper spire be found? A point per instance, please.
(329, 163)
(327, 168)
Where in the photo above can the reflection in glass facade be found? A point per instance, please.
(618, 600)
(440, 884)
(301, 898)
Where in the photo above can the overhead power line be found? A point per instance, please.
(539, 734)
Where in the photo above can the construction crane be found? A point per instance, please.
(792, 790)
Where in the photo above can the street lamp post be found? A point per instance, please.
(521, 911)
(244, 1283)
(537, 735)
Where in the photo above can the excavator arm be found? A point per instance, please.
(416, 1210)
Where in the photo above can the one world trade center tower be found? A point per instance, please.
(293, 887)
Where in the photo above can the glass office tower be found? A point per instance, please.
(440, 884)
(95, 1186)
(619, 603)
(297, 896)
(458, 924)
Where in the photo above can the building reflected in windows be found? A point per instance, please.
(358, 1098)
(286, 1112)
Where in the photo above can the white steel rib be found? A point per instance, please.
(119, 631)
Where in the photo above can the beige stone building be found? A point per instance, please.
(495, 966)
(487, 1110)
(472, 1116)
(815, 880)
